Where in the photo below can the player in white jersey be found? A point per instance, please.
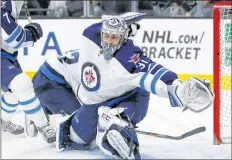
(16, 86)
(110, 77)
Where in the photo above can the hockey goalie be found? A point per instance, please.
(103, 88)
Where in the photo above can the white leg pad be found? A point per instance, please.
(118, 143)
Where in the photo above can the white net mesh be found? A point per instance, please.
(225, 74)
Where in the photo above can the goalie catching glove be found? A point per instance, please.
(193, 94)
(116, 137)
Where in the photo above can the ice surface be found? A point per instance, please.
(161, 118)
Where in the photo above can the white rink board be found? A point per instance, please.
(182, 45)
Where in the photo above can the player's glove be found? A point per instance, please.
(193, 94)
(116, 137)
(133, 28)
(36, 31)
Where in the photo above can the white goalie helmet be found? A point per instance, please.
(16, 8)
(116, 26)
(121, 25)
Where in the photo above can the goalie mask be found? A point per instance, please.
(16, 8)
(114, 34)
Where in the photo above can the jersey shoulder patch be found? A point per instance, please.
(129, 56)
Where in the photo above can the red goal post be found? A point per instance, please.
(222, 15)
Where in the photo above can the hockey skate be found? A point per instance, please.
(48, 133)
(12, 128)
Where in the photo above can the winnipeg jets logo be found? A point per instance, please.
(114, 23)
(135, 58)
(90, 77)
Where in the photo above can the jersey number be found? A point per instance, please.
(71, 57)
(142, 64)
(7, 17)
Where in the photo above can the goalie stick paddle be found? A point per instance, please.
(185, 135)
(30, 128)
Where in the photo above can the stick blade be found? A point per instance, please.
(192, 132)
(31, 130)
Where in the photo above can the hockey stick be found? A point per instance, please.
(27, 12)
(185, 135)
(31, 130)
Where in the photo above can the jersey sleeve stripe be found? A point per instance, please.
(14, 35)
(152, 66)
(8, 56)
(157, 77)
(51, 76)
(21, 40)
(142, 80)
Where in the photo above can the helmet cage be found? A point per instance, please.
(115, 26)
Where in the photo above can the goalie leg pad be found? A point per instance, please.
(124, 141)
(66, 138)
(116, 137)
(84, 123)
(116, 141)
(62, 134)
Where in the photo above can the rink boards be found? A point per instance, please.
(182, 45)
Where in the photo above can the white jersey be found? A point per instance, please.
(67, 66)
(92, 78)
(95, 80)
(101, 79)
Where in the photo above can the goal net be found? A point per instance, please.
(222, 72)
